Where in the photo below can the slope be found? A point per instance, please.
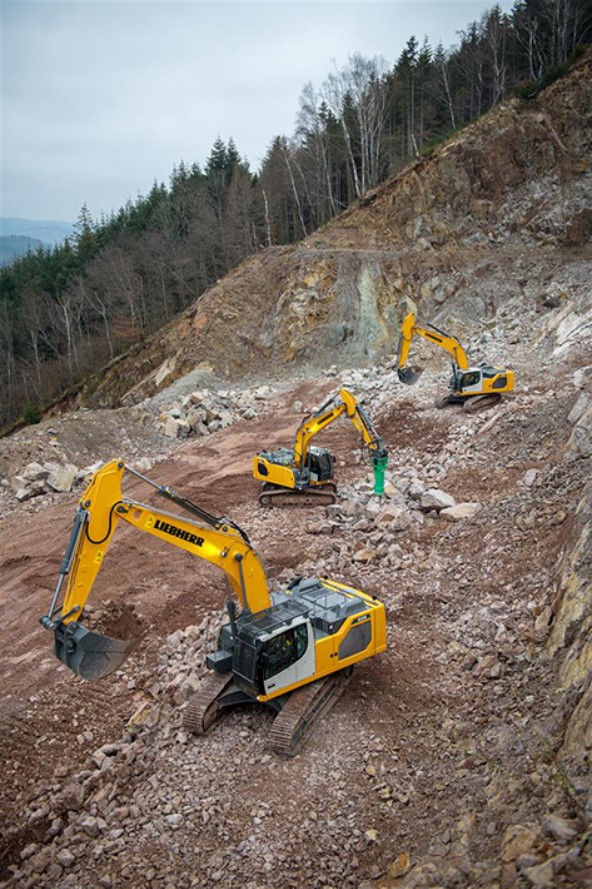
(508, 198)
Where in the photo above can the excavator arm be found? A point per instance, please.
(100, 509)
(338, 405)
(363, 424)
(409, 329)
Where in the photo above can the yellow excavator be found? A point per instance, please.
(293, 649)
(476, 388)
(302, 475)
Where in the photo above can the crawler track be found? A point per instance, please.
(204, 709)
(304, 707)
(481, 403)
(471, 404)
(288, 498)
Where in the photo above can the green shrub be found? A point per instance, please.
(32, 414)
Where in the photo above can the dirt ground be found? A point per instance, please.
(416, 743)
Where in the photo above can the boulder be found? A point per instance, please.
(460, 511)
(62, 479)
(436, 499)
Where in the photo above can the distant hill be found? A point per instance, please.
(49, 232)
(13, 246)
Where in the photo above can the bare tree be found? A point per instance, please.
(359, 87)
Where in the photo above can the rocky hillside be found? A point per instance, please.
(504, 208)
(461, 756)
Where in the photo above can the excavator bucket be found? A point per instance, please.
(409, 375)
(89, 655)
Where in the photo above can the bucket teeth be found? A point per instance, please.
(89, 655)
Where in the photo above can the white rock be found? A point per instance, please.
(434, 498)
(34, 472)
(62, 479)
(460, 511)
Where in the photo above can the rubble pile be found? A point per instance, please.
(203, 411)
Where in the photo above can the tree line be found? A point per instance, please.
(65, 311)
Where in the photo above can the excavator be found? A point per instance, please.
(302, 475)
(475, 388)
(293, 649)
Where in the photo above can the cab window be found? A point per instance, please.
(471, 379)
(282, 651)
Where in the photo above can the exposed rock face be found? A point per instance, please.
(571, 635)
(498, 198)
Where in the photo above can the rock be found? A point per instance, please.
(518, 840)
(34, 472)
(402, 520)
(23, 494)
(386, 515)
(575, 414)
(165, 370)
(436, 499)
(174, 428)
(541, 875)
(38, 815)
(187, 689)
(73, 796)
(530, 477)
(62, 479)
(66, 858)
(351, 508)
(416, 490)
(90, 826)
(146, 714)
(364, 555)
(460, 511)
(559, 828)
(580, 442)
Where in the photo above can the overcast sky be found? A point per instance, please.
(101, 98)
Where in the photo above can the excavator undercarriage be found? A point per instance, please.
(275, 495)
(296, 713)
(471, 405)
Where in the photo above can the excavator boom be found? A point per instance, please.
(409, 329)
(100, 509)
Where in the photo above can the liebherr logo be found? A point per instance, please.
(178, 532)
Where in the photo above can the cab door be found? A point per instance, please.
(288, 658)
(472, 382)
